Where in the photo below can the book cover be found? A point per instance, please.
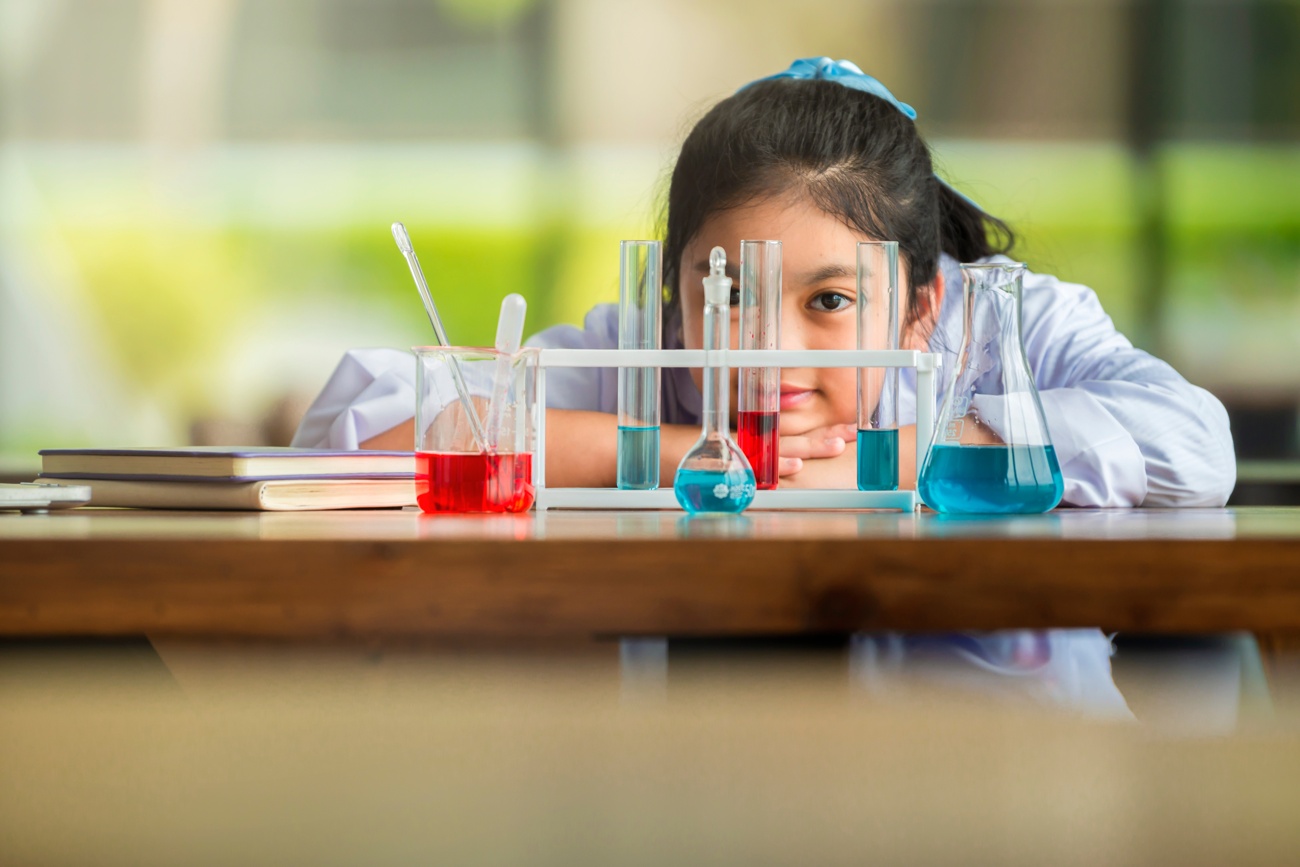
(229, 464)
(272, 495)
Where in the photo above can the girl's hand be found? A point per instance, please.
(837, 472)
(838, 468)
(821, 443)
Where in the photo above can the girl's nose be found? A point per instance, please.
(793, 335)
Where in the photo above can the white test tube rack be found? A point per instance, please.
(926, 364)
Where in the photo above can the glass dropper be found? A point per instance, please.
(458, 379)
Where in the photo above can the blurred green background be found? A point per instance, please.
(195, 194)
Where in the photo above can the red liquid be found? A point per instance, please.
(469, 482)
(759, 438)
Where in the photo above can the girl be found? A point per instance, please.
(820, 157)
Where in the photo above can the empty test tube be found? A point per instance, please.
(758, 408)
(640, 305)
(878, 386)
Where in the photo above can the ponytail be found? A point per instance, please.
(966, 233)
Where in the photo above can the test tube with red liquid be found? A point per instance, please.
(758, 407)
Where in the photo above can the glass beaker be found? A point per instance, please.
(990, 452)
(640, 305)
(452, 472)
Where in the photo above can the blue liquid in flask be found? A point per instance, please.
(991, 480)
(707, 491)
(638, 458)
(878, 460)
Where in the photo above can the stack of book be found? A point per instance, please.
(272, 479)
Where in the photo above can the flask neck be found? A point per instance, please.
(991, 398)
(717, 408)
(992, 315)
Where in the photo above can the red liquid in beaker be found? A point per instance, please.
(759, 437)
(474, 482)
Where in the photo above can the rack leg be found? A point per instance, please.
(924, 414)
(539, 459)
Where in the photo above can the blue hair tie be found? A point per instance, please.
(848, 74)
(841, 72)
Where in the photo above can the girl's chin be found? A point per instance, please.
(798, 422)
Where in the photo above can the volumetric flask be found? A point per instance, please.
(991, 453)
(714, 476)
(878, 386)
(452, 473)
(758, 405)
(640, 302)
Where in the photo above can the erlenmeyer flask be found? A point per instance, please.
(990, 453)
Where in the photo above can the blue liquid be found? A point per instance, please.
(729, 492)
(638, 458)
(991, 480)
(878, 460)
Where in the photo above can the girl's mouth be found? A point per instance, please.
(792, 397)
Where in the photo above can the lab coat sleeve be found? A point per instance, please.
(1127, 428)
(371, 391)
(589, 388)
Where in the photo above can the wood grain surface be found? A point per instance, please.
(572, 575)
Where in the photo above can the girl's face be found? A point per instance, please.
(818, 299)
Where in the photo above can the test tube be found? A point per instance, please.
(640, 305)
(758, 407)
(878, 386)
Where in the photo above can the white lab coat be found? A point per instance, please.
(1127, 428)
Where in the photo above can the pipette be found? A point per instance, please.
(510, 333)
(462, 390)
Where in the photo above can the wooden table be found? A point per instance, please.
(574, 575)
(312, 754)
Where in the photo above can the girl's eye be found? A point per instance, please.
(735, 297)
(830, 302)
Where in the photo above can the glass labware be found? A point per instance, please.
(714, 476)
(452, 472)
(758, 400)
(640, 302)
(991, 452)
(877, 310)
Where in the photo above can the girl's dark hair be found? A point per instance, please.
(859, 159)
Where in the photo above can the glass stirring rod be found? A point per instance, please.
(462, 390)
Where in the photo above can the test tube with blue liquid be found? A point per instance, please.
(640, 305)
(878, 386)
(758, 410)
